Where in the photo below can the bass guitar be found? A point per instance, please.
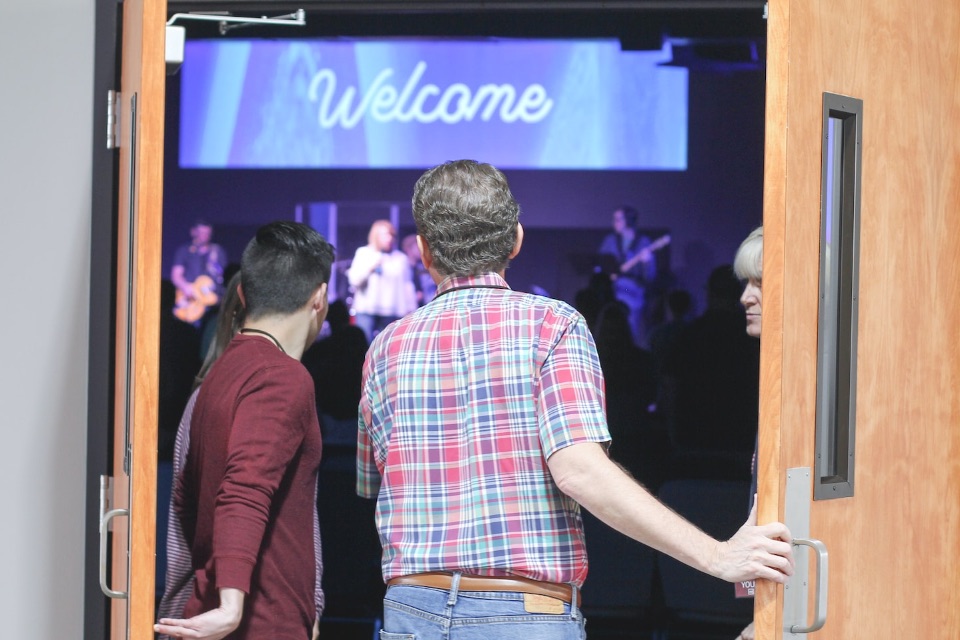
(646, 253)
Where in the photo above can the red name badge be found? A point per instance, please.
(744, 589)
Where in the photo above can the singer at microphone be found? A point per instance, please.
(382, 281)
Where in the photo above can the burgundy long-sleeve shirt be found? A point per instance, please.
(247, 493)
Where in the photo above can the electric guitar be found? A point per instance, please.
(656, 245)
(204, 296)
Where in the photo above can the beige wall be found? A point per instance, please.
(46, 53)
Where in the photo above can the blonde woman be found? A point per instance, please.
(748, 266)
(382, 281)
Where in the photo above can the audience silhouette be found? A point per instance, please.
(336, 362)
(630, 390)
(663, 336)
(709, 380)
(592, 298)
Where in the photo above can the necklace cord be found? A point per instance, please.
(246, 330)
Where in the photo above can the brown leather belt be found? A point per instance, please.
(444, 580)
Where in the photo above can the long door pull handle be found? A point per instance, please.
(820, 612)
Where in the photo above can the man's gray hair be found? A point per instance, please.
(468, 217)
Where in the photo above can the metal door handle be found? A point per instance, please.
(106, 486)
(104, 527)
(820, 612)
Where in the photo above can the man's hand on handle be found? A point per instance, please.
(755, 552)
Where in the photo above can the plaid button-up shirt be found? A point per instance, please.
(463, 402)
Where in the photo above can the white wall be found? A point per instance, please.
(46, 133)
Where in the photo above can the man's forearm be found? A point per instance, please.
(586, 474)
(177, 277)
(215, 624)
(231, 602)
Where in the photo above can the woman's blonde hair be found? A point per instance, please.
(748, 264)
(372, 234)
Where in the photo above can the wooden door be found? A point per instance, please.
(894, 566)
(140, 109)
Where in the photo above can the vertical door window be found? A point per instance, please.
(839, 277)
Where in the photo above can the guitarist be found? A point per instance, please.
(630, 262)
(198, 273)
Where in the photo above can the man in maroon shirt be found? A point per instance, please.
(247, 491)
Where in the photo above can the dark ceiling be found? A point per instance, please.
(639, 24)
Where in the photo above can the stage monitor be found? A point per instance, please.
(413, 103)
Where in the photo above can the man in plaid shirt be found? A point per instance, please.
(482, 430)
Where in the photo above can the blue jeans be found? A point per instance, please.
(425, 613)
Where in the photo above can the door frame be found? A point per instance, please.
(144, 75)
(102, 317)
